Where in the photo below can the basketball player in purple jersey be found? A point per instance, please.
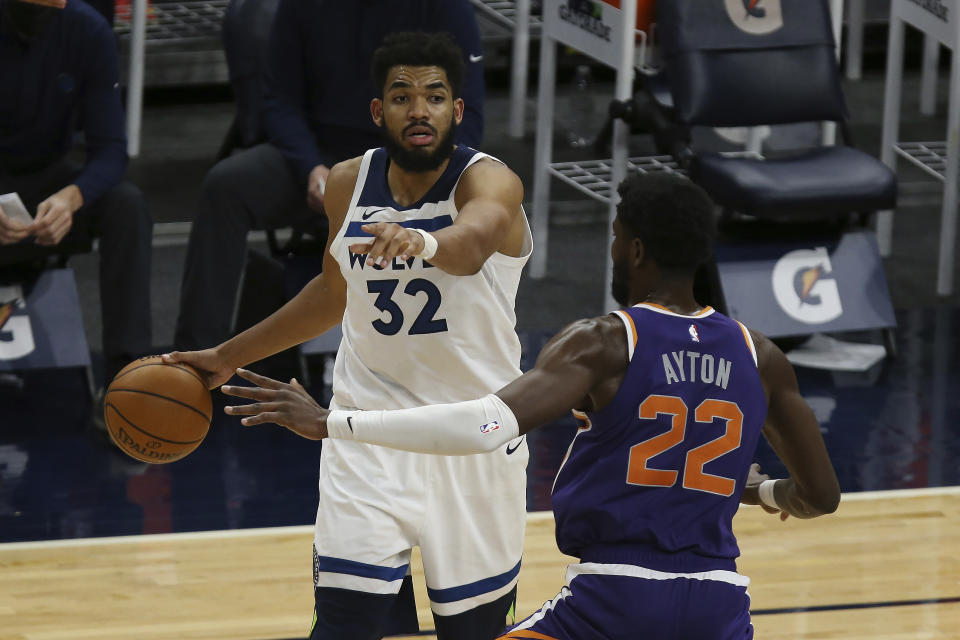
(672, 397)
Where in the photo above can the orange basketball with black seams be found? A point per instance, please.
(157, 412)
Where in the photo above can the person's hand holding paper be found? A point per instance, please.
(15, 220)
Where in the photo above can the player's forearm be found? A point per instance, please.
(458, 252)
(461, 428)
(311, 312)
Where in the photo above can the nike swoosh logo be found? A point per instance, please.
(474, 58)
(509, 450)
(350, 423)
(366, 216)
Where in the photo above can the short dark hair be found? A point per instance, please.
(419, 49)
(672, 216)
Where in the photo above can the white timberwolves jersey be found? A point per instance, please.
(412, 333)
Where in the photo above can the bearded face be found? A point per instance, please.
(418, 116)
(419, 158)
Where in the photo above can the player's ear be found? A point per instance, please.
(376, 111)
(458, 110)
(636, 251)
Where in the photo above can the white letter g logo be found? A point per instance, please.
(802, 288)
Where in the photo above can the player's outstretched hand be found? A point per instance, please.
(207, 362)
(390, 241)
(751, 491)
(288, 405)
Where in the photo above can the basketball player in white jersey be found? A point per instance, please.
(427, 242)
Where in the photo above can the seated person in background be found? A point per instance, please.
(317, 113)
(58, 69)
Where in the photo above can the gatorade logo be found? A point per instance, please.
(756, 17)
(803, 287)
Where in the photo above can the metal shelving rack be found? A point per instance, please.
(608, 37)
(856, 17)
(189, 22)
(515, 17)
(940, 25)
(930, 157)
(594, 177)
(182, 31)
(506, 12)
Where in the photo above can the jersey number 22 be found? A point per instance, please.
(694, 476)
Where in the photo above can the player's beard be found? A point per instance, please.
(620, 283)
(417, 160)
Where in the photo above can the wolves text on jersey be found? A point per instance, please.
(360, 260)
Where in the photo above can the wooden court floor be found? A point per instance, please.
(886, 566)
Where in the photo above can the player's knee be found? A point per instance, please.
(223, 207)
(223, 181)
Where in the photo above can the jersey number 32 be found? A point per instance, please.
(425, 322)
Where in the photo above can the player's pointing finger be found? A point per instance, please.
(262, 381)
(253, 393)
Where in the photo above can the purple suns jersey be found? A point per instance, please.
(654, 478)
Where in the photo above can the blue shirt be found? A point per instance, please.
(319, 88)
(65, 78)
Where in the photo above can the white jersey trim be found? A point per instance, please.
(748, 337)
(631, 332)
(703, 313)
(587, 426)
(357, 583)
(544, 610)
(596, 568)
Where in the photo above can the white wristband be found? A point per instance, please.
(429, 244)
(338, 425)
(765, 493)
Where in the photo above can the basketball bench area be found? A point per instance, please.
(41, 326)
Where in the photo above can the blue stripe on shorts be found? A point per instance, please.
(486, 585)
(327, 564)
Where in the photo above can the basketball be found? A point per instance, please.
(157, 412)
